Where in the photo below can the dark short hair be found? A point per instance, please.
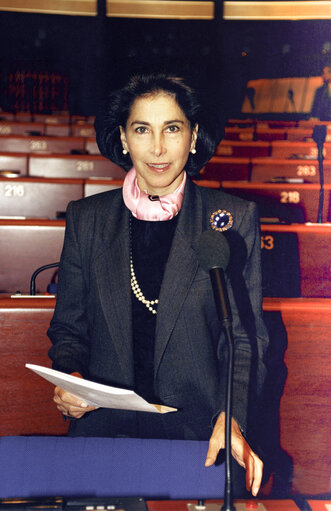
(116, 110)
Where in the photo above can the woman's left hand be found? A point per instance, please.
(241, 451)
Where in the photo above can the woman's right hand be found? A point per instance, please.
(70, 405)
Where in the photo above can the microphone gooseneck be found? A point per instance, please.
(319, 137)
(214, 256)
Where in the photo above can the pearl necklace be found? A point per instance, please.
(138, 292)
(135, 286)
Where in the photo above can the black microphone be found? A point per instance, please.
(290, 95)
(214, 255)
(319, 137)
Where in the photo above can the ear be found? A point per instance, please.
(194, 136)
(123, 139)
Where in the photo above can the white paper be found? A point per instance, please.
(96, 394)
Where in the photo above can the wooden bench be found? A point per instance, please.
(16, 162)
(57, 129)
(25, 246)
(73, 166)
(249, 134)
(288, 202)
(91, 145)
(298, 149)
(93, 186)
(296, 260)
(22, 128)
(226, 168)
(34, 144)
(37, 197)
(266, 169)
(83, 130)
(240, 149)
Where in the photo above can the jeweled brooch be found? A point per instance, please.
(221, 220)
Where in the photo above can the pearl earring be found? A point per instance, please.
(193, 151)
(124, 151)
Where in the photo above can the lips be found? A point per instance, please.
(158, 167)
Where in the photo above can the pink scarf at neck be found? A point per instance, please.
(143, 208)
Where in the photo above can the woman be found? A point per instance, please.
(134, 309)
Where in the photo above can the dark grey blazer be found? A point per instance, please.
(91, 330)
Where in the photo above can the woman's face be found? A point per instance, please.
(159, 138)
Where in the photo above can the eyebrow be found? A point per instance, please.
(165, 123)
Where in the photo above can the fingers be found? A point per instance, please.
(254, 472)
(70, 405)
(216, 441)
(247, 458)
(241, 451)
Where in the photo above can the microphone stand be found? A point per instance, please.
(319, 136)
(35, 273)
(224, 314)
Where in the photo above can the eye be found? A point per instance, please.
(141, 130)
(173, 128)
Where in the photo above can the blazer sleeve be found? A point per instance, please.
(249, 331)
(68, 329)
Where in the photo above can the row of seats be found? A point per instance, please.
(289, 266)
(48, 118)
(46, 129)
(47, 197)
(58, 165)
(266, 133)
(42, 144)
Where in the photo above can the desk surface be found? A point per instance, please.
(181, 505)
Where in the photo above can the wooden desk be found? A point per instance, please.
(35, 144)
(306, 251)
(73, 166)
(25, 246)
(37, 197)
(57, 129)
(83, 130)
(287, 149)
(223, 168)
(14, 161)
(266, 169)
(29, 408)
(287, 201)
(240, 149)
(91, 145)
(21, 128)
(320, 505)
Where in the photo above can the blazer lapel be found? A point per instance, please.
(180, 270)
(112, 272)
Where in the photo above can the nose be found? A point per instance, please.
(158, 146)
